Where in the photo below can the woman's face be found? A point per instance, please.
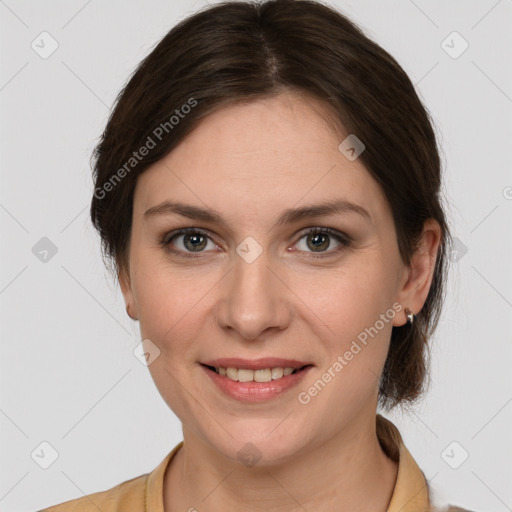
(252, 286)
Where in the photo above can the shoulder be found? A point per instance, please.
(126, 496)
(136, 495)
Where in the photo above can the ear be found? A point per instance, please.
(417, 277)
(126, 288)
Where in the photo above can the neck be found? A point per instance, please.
(350, 469)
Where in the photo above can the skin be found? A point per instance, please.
(250, 162)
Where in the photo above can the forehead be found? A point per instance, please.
(266, 155)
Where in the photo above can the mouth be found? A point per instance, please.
(255, 375)
(255, 380)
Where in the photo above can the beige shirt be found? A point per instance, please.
(145, 493)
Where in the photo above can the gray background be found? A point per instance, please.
(69, 377)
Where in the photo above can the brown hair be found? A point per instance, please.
(242, 51)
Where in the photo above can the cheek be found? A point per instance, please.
(172, 305)
(173, 314)
(346, 299)
(160, 292)
(350, 311)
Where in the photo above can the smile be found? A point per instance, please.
(258, 383)
(248, 375)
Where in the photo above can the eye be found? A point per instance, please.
(318, 240)
(187, 241)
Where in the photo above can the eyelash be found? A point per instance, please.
(344, 240)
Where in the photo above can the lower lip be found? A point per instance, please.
(256, 391)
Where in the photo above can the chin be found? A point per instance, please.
(272, 444)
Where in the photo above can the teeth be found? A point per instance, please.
(232, 373)
(262, 375)
(245, 375)
(277, 373)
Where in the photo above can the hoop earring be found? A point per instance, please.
(410, 316)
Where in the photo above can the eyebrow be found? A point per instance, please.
(288, 216)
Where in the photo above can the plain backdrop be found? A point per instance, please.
(71, 387)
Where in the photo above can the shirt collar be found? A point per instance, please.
(411, 489)
(409, 495)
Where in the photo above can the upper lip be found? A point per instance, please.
(255, 364)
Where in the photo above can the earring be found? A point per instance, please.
(410, 316)
(128, 313)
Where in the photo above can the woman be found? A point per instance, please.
(267, 190)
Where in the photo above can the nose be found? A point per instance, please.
(254, 299)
